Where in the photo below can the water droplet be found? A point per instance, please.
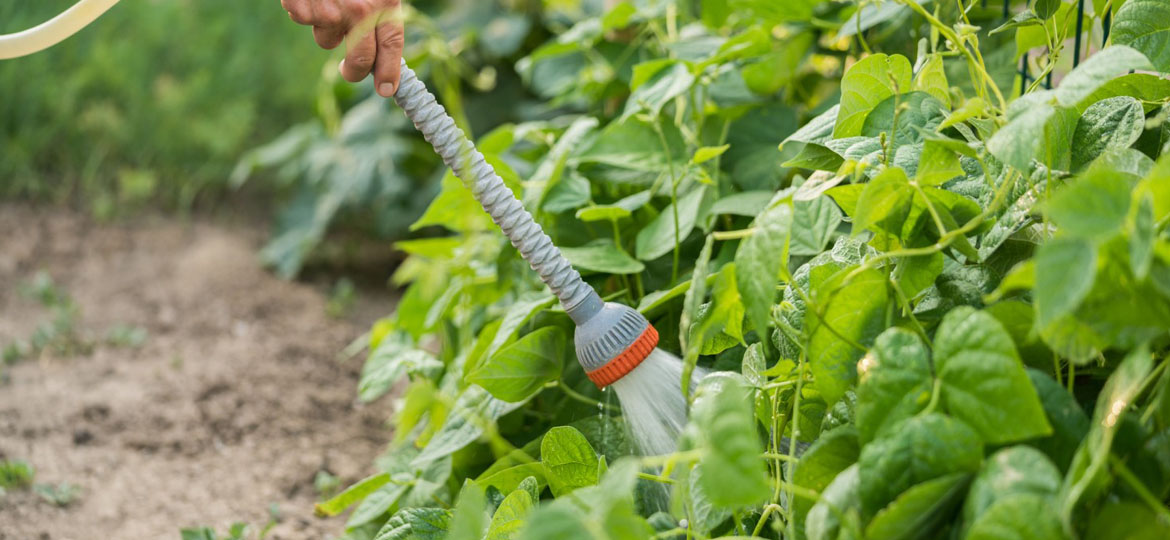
(682, 523)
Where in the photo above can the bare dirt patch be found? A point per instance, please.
(232, 404)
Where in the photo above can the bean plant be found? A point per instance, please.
(931, 284)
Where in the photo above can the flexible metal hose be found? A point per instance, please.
(439, 129)
(54, 30)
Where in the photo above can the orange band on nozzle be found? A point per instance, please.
(627, 360)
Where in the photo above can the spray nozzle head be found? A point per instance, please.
(612, 342)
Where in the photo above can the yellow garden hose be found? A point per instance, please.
(54, 30)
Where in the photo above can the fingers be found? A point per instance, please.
(388, 63)
(359, 59)
(328, 37)
(298, 10)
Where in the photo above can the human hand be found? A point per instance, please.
(371, 29)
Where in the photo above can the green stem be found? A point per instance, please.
(582, 397)
(1140, 488)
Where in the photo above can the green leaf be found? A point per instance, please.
(519, 313)
(1145, 87)
(416, 524)
(603, 256)
(916, 113)
(666, 83)
(896, 382)
(1145, 26)
(1045, 9)
(884, 204)
(938, 164)
(983, 381)
(852, 317)
(658, 238)
(1127, 520)
(813, 225)
(558, 521)
(388, 363)
(1110, 124)
(775, 70)
(1093, 205)
(469, 519)
(707, 153)
(509, 517)
(338, 503)
(569, 461)
(692, 300)
(867, 83)
(511, 478)
(734, 475)
(1141, 240)
(474, 408)
(521, 369)
(838, 501)
(919, 511)
(922, 448)
(745, 203)
(759, 261)
(1099, 68)
(1065, 270)
(1019, 517)
(1041, 132)
(831, 453)
(932, 79)
(1016, 470)
(916, 274)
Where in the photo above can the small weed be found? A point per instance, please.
(124, 335)
(326, 484)
(15, 474)
(341, 299)
(237, 531)
(62, 334)
(62, 494)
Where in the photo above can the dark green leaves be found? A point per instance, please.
(983, 380)
(1145, 26)
(569, 460)
(867, 83)
(1099, 69)
(1093, 205)
(519, 370)
(658, 238)
(896, 382)
(884, 203)
(603, 256)
(849, 319)
(733, 473)
(1110, 124)
(922, 448)
(759, 260)
(1065, 269)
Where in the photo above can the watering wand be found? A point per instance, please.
(611, 339)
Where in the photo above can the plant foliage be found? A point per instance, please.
(934, 297)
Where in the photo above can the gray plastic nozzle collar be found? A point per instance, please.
(607, 334)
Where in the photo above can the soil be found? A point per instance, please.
(227, 411)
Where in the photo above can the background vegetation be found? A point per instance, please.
(925, 239)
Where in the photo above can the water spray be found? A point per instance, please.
(615, 344)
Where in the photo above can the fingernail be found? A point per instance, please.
(386, 89)
(341, 66)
